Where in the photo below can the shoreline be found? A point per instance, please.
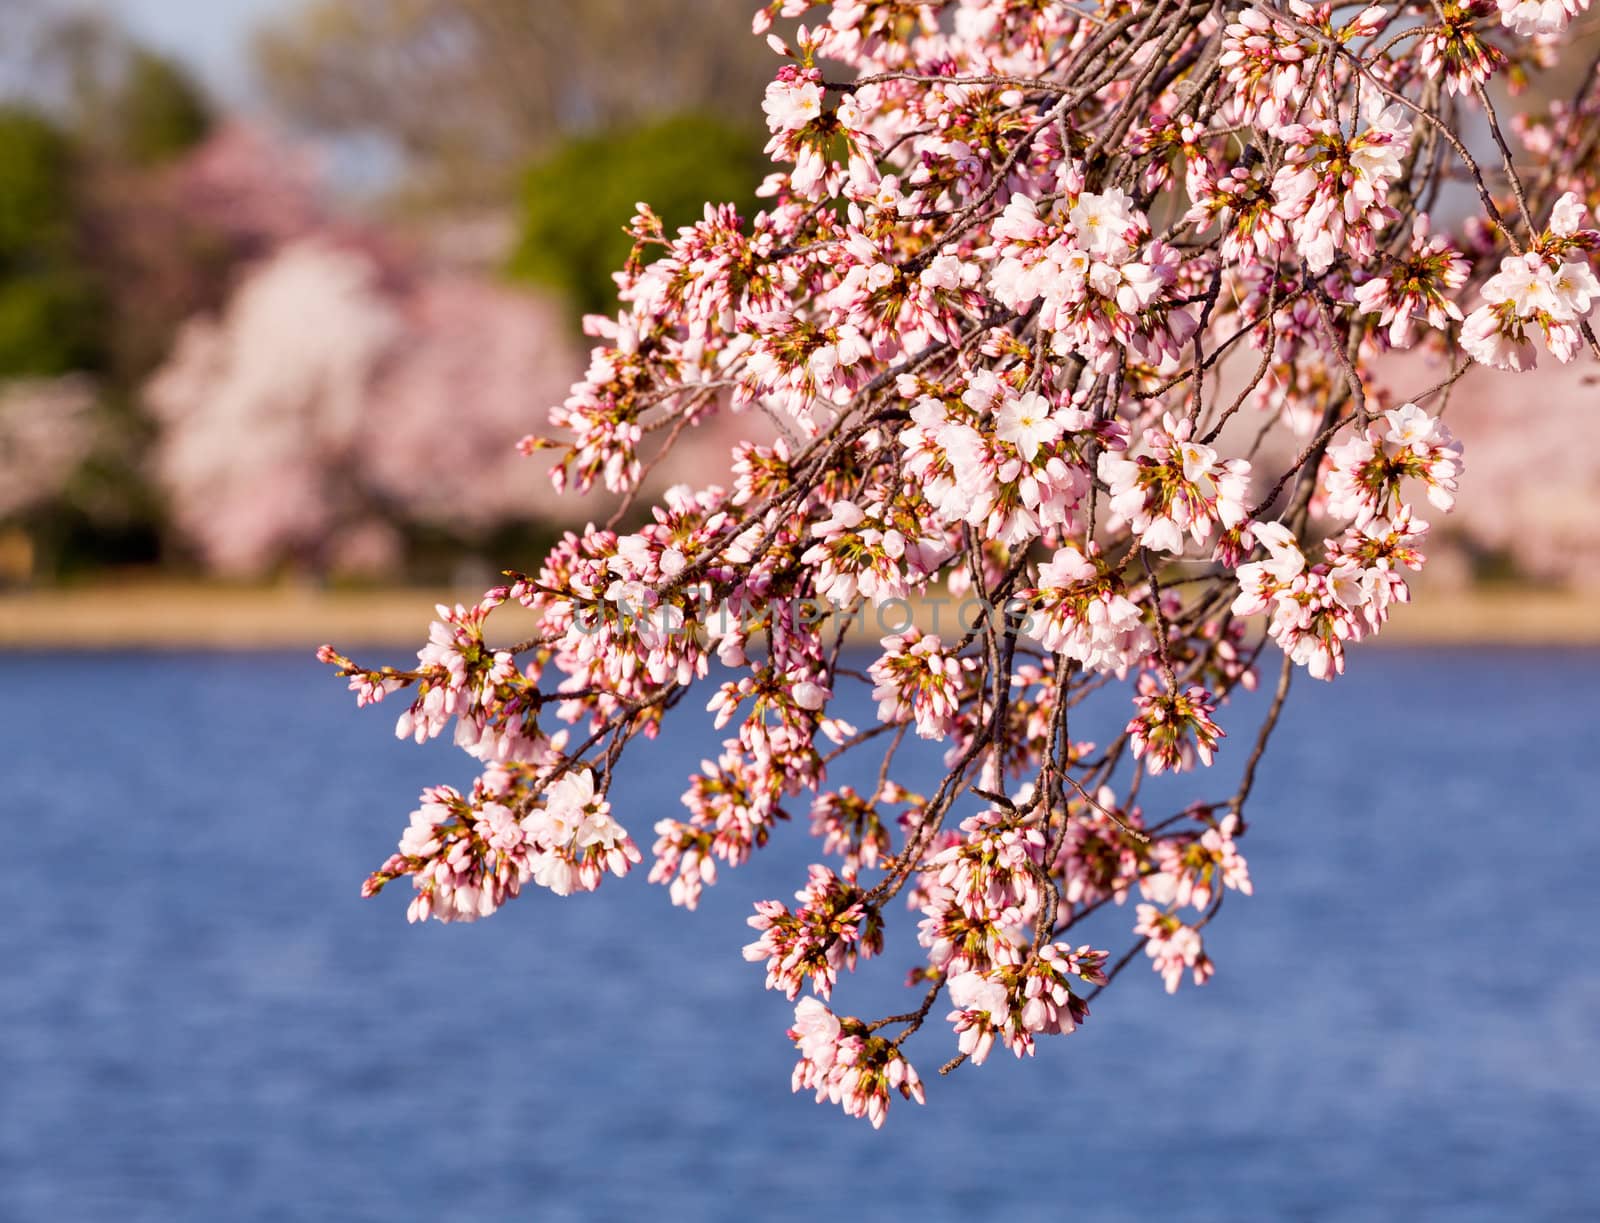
(173, 615)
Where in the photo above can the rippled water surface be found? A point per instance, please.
(201, 1020)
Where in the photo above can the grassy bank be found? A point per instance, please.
(189, 615)
(179, 615)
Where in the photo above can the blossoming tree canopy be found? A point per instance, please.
(1038, 291)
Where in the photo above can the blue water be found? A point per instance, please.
(201, 1020)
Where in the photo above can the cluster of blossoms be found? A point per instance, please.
(1180, 487)
(1548, 17)
(995, 459)
(1173, 945)
(1102, 287)
(1076, 313)
(1015, 1003)
(917, 677)
(984, 889)
(1418, 286)
(731, 813)
(468, 856)
(851, 826)
(1171, 728)
(848, 1065)
(1551, 287)
(809, 946)
(1082, 614)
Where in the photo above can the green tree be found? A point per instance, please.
(576, 200)
(50, 323)
(35, 187)
(160, 111)
(50, 315)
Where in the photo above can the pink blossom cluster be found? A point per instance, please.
(1102, 286)
(468, 856)
(847, 1065)
(731, 812)
(1074, 313)
(1547, 291)
(830, 929)
(1173, 945)
(1180, 487)
(983, 890)
(1170, 729)
(1014, 1004)
(1082, 613)
(916, 677)
(1190, 869)
(851, 826)
(1548, 17)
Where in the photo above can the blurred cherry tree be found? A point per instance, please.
(1528, 471)
(293, 426)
